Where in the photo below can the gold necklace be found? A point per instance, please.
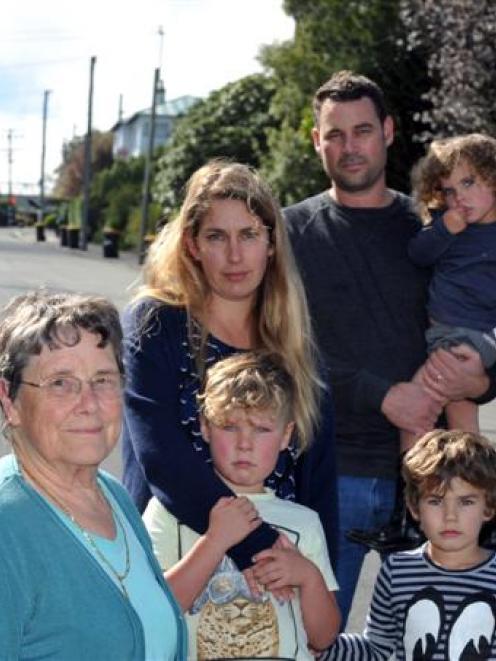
(119, 576)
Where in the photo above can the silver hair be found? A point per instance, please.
(41, 319)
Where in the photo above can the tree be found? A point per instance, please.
(364, 35)
(231, 122)
(71, 172)
(114, 191)
(459, 40)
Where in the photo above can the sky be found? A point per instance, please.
(46, 45)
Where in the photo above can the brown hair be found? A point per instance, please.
(442, 455)
(476, 150)
(345, 86)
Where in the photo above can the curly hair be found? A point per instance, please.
(476, 150)
(442, 455)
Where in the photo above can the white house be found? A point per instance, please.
(131, 136)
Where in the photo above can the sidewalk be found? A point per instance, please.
(94, 250)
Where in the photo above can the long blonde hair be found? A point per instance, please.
(283, 321)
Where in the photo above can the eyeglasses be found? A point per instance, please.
(103, 386)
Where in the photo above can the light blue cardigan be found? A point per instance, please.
(56, 602)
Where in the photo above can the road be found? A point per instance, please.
(26, 264)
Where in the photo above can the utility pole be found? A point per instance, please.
(160, 33)
(148, 170)
(10, 157)
(121, 108)
(83, 244)
(43, 152)
(9, 160)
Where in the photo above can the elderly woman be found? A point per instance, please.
(78, 579)
(220, 278)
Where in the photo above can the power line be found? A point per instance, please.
(40, 36)
(41, 63)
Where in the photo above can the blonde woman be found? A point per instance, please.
(220, 279)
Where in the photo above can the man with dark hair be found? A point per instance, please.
(367, 302)
(347, 86)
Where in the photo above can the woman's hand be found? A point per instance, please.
(231, 520)
(455, 374)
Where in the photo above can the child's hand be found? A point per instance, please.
(231, 520)
(278, 568)
(454, 221)
(257, 589)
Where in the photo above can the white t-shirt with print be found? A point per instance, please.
(226, 621)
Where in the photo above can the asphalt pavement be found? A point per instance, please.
(26, 264)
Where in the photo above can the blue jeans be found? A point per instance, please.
(364, 503)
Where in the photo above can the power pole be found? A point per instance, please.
(160, 33)
(11, 136)
(43, 152)
(148, 169)
(83, 244)
(9, 160)
(121, 108)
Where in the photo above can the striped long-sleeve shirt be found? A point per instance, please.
(422, 612)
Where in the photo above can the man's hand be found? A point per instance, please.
(455, 374)
(409, 407)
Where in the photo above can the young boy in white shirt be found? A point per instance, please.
(247, 419)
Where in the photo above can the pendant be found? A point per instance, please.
(123, 588)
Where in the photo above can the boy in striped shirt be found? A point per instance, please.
(437, 602)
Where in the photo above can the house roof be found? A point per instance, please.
(172, 108)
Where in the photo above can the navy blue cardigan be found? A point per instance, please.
(163, 451)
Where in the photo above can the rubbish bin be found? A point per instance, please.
(40, 232)
(73, 237)
(110, 243)
(63, 235)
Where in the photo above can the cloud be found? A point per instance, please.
(48, 45)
